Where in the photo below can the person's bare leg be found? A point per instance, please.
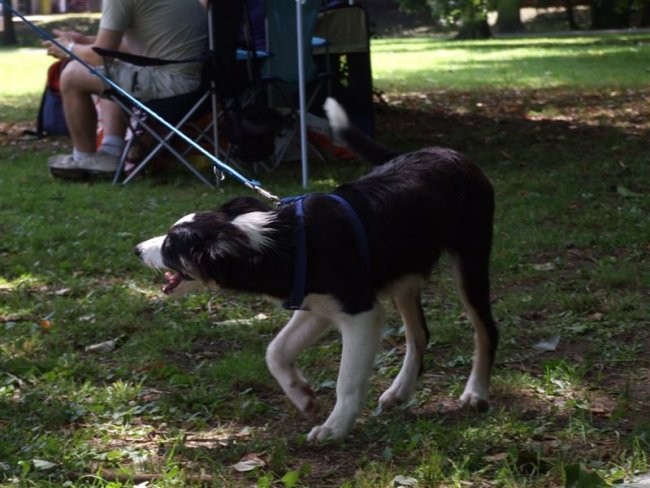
(113, 119)
(77, 87)
(114, 127)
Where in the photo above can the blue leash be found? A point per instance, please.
(218, 164)
(300, 266)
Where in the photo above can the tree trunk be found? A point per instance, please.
(9, 34)
(644, 21)
(509, 17)
(474, 29)
(570, 18)
(610, 14)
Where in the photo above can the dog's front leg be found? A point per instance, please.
(360, 335)
(302, 330)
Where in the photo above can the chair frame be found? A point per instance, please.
(198, 99)
(273, 80)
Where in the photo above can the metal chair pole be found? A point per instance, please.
(301, 95)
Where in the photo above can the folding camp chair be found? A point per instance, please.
(187, 112)
(248, 123)
(281, 69)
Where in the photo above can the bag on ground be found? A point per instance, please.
(51, 121)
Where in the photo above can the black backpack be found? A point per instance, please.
(251, 131)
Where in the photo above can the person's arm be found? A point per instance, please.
(77, 37)
(107, 39)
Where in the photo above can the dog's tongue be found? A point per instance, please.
(173, 280)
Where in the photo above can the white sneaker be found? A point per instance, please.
(99, 164)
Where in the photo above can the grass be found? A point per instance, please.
(184, 395)
(24, 67)
(411, 64)
(524, 63)
(24, 73)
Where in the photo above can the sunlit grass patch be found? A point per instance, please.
(421, 64)
(24, 73)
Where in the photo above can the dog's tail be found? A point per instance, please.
(365, 147)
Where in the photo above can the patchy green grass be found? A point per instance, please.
(24, 72)
(24, 67)
(416, 64)
(105, 383)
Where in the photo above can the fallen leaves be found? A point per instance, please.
(45, 324)
(105, 347)
(249, 462)
(544, 267)
(627, 193)
(42, 464)
(547, 345)
(401, 480)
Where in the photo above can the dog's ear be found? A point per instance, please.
(230, 242)
(241, 205)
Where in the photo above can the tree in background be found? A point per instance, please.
(470, 16)
(9, 33)
(509, 16)
(644, 16)
(570, 17)
(610, 14)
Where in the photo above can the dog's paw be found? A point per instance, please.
(322, 433)
(304, 399)
(471, 400)
(393, 397)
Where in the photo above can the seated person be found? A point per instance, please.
(257, 18)
(167, 29)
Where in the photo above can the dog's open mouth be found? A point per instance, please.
(172, 280)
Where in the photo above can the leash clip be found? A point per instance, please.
(218, 174)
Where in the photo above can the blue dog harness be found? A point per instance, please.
(300, 269)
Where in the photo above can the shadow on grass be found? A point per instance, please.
(532, 128)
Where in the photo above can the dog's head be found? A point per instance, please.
(196, 246)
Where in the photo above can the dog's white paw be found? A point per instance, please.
(322, 433)
(395, 395)
(474, 400)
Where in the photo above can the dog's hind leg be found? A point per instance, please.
(302, 331)
(409, 304)
(472, 279)
(360, 335)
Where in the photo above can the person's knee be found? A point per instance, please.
(76, 78)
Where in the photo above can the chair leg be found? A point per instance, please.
(162, 143)
(120, 167)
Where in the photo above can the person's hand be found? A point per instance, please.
(66, 39)
(77, 37)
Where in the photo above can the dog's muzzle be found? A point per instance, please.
(149, 253)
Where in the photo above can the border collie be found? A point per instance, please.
(338, 256)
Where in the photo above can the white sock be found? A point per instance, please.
(78, 155)
(113, 145)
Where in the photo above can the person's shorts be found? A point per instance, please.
(149, 82)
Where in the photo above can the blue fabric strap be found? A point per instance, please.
(300, 268)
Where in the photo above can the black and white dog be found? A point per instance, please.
(336, 257)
